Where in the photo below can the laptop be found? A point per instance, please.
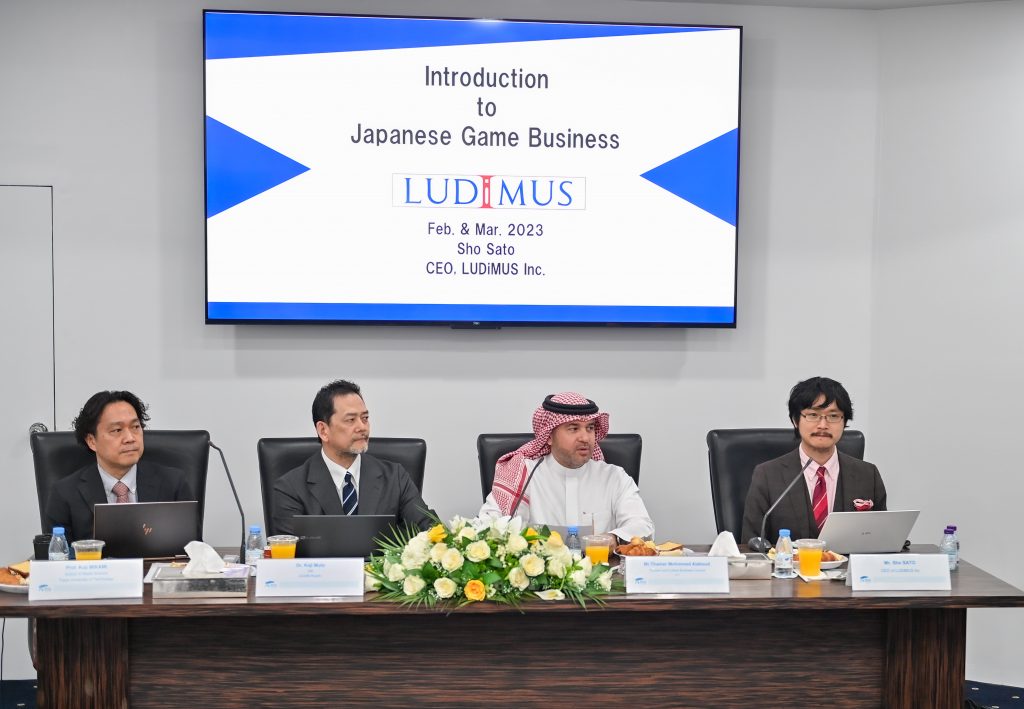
(146, 530)
(868, 532)
(323, 536)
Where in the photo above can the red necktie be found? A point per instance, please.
(121, 490)
(820, 500)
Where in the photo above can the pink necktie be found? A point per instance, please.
(820, 500)
(121, 490)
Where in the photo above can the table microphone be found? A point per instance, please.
(224, 462)
(512, 512)
(760, 543)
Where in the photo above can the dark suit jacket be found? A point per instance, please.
(385, 488)
(857, 480)
(71, 499)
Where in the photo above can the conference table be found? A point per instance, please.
(765, 643)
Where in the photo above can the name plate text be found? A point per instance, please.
(72, 580)
(677, 574)
(899, 572)
(309, 577)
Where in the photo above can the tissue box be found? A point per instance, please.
(753, 566)
(168, 582)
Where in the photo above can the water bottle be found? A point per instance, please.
(784, 556)
(948, 547)
(58, 545)
(254, 545)
(573, 541)
(957, 539)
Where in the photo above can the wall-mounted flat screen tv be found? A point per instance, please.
(470, 172)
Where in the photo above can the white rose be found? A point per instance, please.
(467, 533)
(451, 560)
(445, 587)
(532, 564)
(587, 565)
(413, 585)
(556, 568)
(437, 551)
(579, 578)
(515, 525)
(396, 572)
(478, 551)
(605, 580)
(516, 544)
(518, 578)
(561, 553)
(370, 583)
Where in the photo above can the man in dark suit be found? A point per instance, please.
(111, 424)
(819, 409)
(340, 478)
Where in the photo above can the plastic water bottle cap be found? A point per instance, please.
(783, 532)
(58, 530)
(254, 530)
(574, 530)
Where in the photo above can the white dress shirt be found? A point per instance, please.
(128, 479)
(338, 473)
(597, 493)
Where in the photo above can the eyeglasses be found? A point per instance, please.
(815, 417)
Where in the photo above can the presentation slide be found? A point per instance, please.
(372, 169)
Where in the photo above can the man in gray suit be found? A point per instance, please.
(819, 409)
(341, 478)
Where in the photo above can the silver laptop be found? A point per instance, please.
(868, 532)
(146, 530)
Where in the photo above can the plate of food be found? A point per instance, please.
(829, 559)
(14, 578)
(641, 547)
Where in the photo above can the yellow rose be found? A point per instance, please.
(530, 532)
(475, 590)
(555, 540)
(437, 533)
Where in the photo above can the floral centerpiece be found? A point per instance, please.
(470, 560)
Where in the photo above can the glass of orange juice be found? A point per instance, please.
(810, 555)
(88, 549)
(597, 546)
(282, 546)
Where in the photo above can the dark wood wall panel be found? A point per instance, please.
(688, 658)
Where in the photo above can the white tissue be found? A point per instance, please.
(203, 560)
(725, 545)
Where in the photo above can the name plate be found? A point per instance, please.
(309, 577)
(72, 580)
(677, 574)
(899, 572)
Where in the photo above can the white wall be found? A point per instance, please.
(947, 296)
(104, 101)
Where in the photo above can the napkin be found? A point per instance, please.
(203, 560)
(725, 545)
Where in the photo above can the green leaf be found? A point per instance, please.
(491, 578)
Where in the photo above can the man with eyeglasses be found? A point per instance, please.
(819, 409)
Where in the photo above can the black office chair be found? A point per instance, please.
(279, 455)
(621, 449)
(734, 452)
(57, 454)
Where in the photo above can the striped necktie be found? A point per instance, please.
(349, 496)
(820, 501)
(121, 490)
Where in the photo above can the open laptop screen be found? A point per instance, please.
(147, 530)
